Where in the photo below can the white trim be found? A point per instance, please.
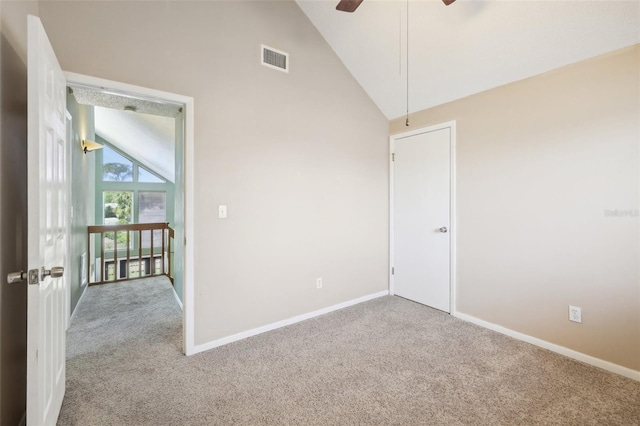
(579, 356)
(286, 322)
(69, 213)
(188, 322)
(451, 125)
(86, 81)
(392, 150)
(73, 314)
(189, 143)
(177, 298)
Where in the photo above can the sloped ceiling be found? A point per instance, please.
(144, 129)
(150, 139)
(467, 47)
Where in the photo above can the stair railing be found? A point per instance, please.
(134, 256)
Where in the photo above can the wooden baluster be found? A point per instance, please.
(126, 275)
(115, 255)
(162, 252)
(169, 257)
(139, 253)
(102, 272)
(88, 257)
(152, 261)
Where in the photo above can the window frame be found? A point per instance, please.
(102, 186)
(139, 192)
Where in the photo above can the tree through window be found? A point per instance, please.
(116, 168)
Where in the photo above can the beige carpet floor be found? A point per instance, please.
(384, 362)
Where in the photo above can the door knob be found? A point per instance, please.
(443, 229)
(54, 272)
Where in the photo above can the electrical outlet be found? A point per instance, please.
(575, 314)
(319, 282)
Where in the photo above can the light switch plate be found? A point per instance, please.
(222, 212)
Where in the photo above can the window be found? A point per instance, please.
(131, 194)
(152, 209)
(146, 176)
(116, 168)
(118, 206)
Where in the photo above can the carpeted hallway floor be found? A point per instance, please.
(385, 362)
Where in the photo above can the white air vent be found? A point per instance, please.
(275, 59)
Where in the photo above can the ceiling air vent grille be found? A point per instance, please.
(275, 59)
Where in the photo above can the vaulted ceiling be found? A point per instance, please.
(150, 139)
(467, 47)
(454, 51)
(144, 129)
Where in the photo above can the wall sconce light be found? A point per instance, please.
(88, 145)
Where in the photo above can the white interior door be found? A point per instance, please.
(48, 201)
(421, 224)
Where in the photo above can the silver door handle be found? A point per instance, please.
(54, 272)
(443, 229)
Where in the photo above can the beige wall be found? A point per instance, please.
(300, 159)
(538, 163)
(13, 207)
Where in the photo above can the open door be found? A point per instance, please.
(48, 204)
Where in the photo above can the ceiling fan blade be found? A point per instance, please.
(447, 2)
(348, 5)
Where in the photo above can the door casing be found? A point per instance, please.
(452, 205)
(187, 187)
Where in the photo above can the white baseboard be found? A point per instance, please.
(284, 323)
(73, 314)
(175, 294)
(588, 359)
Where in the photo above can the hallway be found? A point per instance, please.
(117, 333)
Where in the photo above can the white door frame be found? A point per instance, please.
(189, 142)
(69, 213)
(452, 204)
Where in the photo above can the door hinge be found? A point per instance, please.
(393, 156)
(393, 271)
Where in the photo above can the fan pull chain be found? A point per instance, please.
(406, 123)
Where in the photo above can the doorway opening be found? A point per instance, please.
(141, 169)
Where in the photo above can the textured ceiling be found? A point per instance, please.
(146, 131)
(468, 47)
(94, 97)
